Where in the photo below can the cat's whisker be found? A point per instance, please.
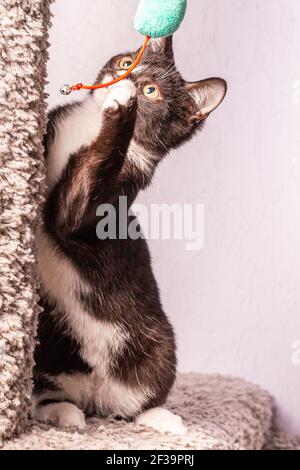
(168, 74)
(139, 114)
(160, 142)
(164, 73)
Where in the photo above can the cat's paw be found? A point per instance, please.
(120, 94)
(62, 415)
(162, 420)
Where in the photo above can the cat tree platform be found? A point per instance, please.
(221, 413)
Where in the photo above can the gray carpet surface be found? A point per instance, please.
(220, 413)
(282, 441)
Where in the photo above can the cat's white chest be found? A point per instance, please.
(77, 129)
(99, 340)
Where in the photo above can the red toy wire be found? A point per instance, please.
(80, 86)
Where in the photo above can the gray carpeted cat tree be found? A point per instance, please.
(220, 412)
(24, 28)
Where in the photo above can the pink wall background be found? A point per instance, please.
(236, 304)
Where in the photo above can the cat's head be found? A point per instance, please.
(170, 110)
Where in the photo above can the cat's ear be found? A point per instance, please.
(207, 95)
(162, 46)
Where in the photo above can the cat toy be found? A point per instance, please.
(154, 19)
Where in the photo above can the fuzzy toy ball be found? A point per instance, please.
(159, 18)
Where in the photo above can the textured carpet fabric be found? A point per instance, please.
(282, 441)
(220, 413)
(23, 56)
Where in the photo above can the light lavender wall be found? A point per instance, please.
(236, 304)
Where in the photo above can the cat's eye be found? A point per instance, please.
(125, 63)
(151, 91)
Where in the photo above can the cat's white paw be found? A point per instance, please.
(162, 421)
(62, 415)
(121, 93)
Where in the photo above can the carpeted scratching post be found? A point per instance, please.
(24, 28)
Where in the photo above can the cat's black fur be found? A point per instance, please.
(122, 288)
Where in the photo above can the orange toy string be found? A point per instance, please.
(80, 86)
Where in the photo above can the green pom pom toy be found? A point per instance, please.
(159, 18)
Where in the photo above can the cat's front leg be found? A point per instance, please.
(120, 94)
(118, 121)
(92, 175)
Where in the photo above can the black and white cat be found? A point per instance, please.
(105, 346)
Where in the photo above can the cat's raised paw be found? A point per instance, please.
(62, 415)
(162, 420)
(121, 94)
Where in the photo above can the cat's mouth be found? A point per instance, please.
(108, 77)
